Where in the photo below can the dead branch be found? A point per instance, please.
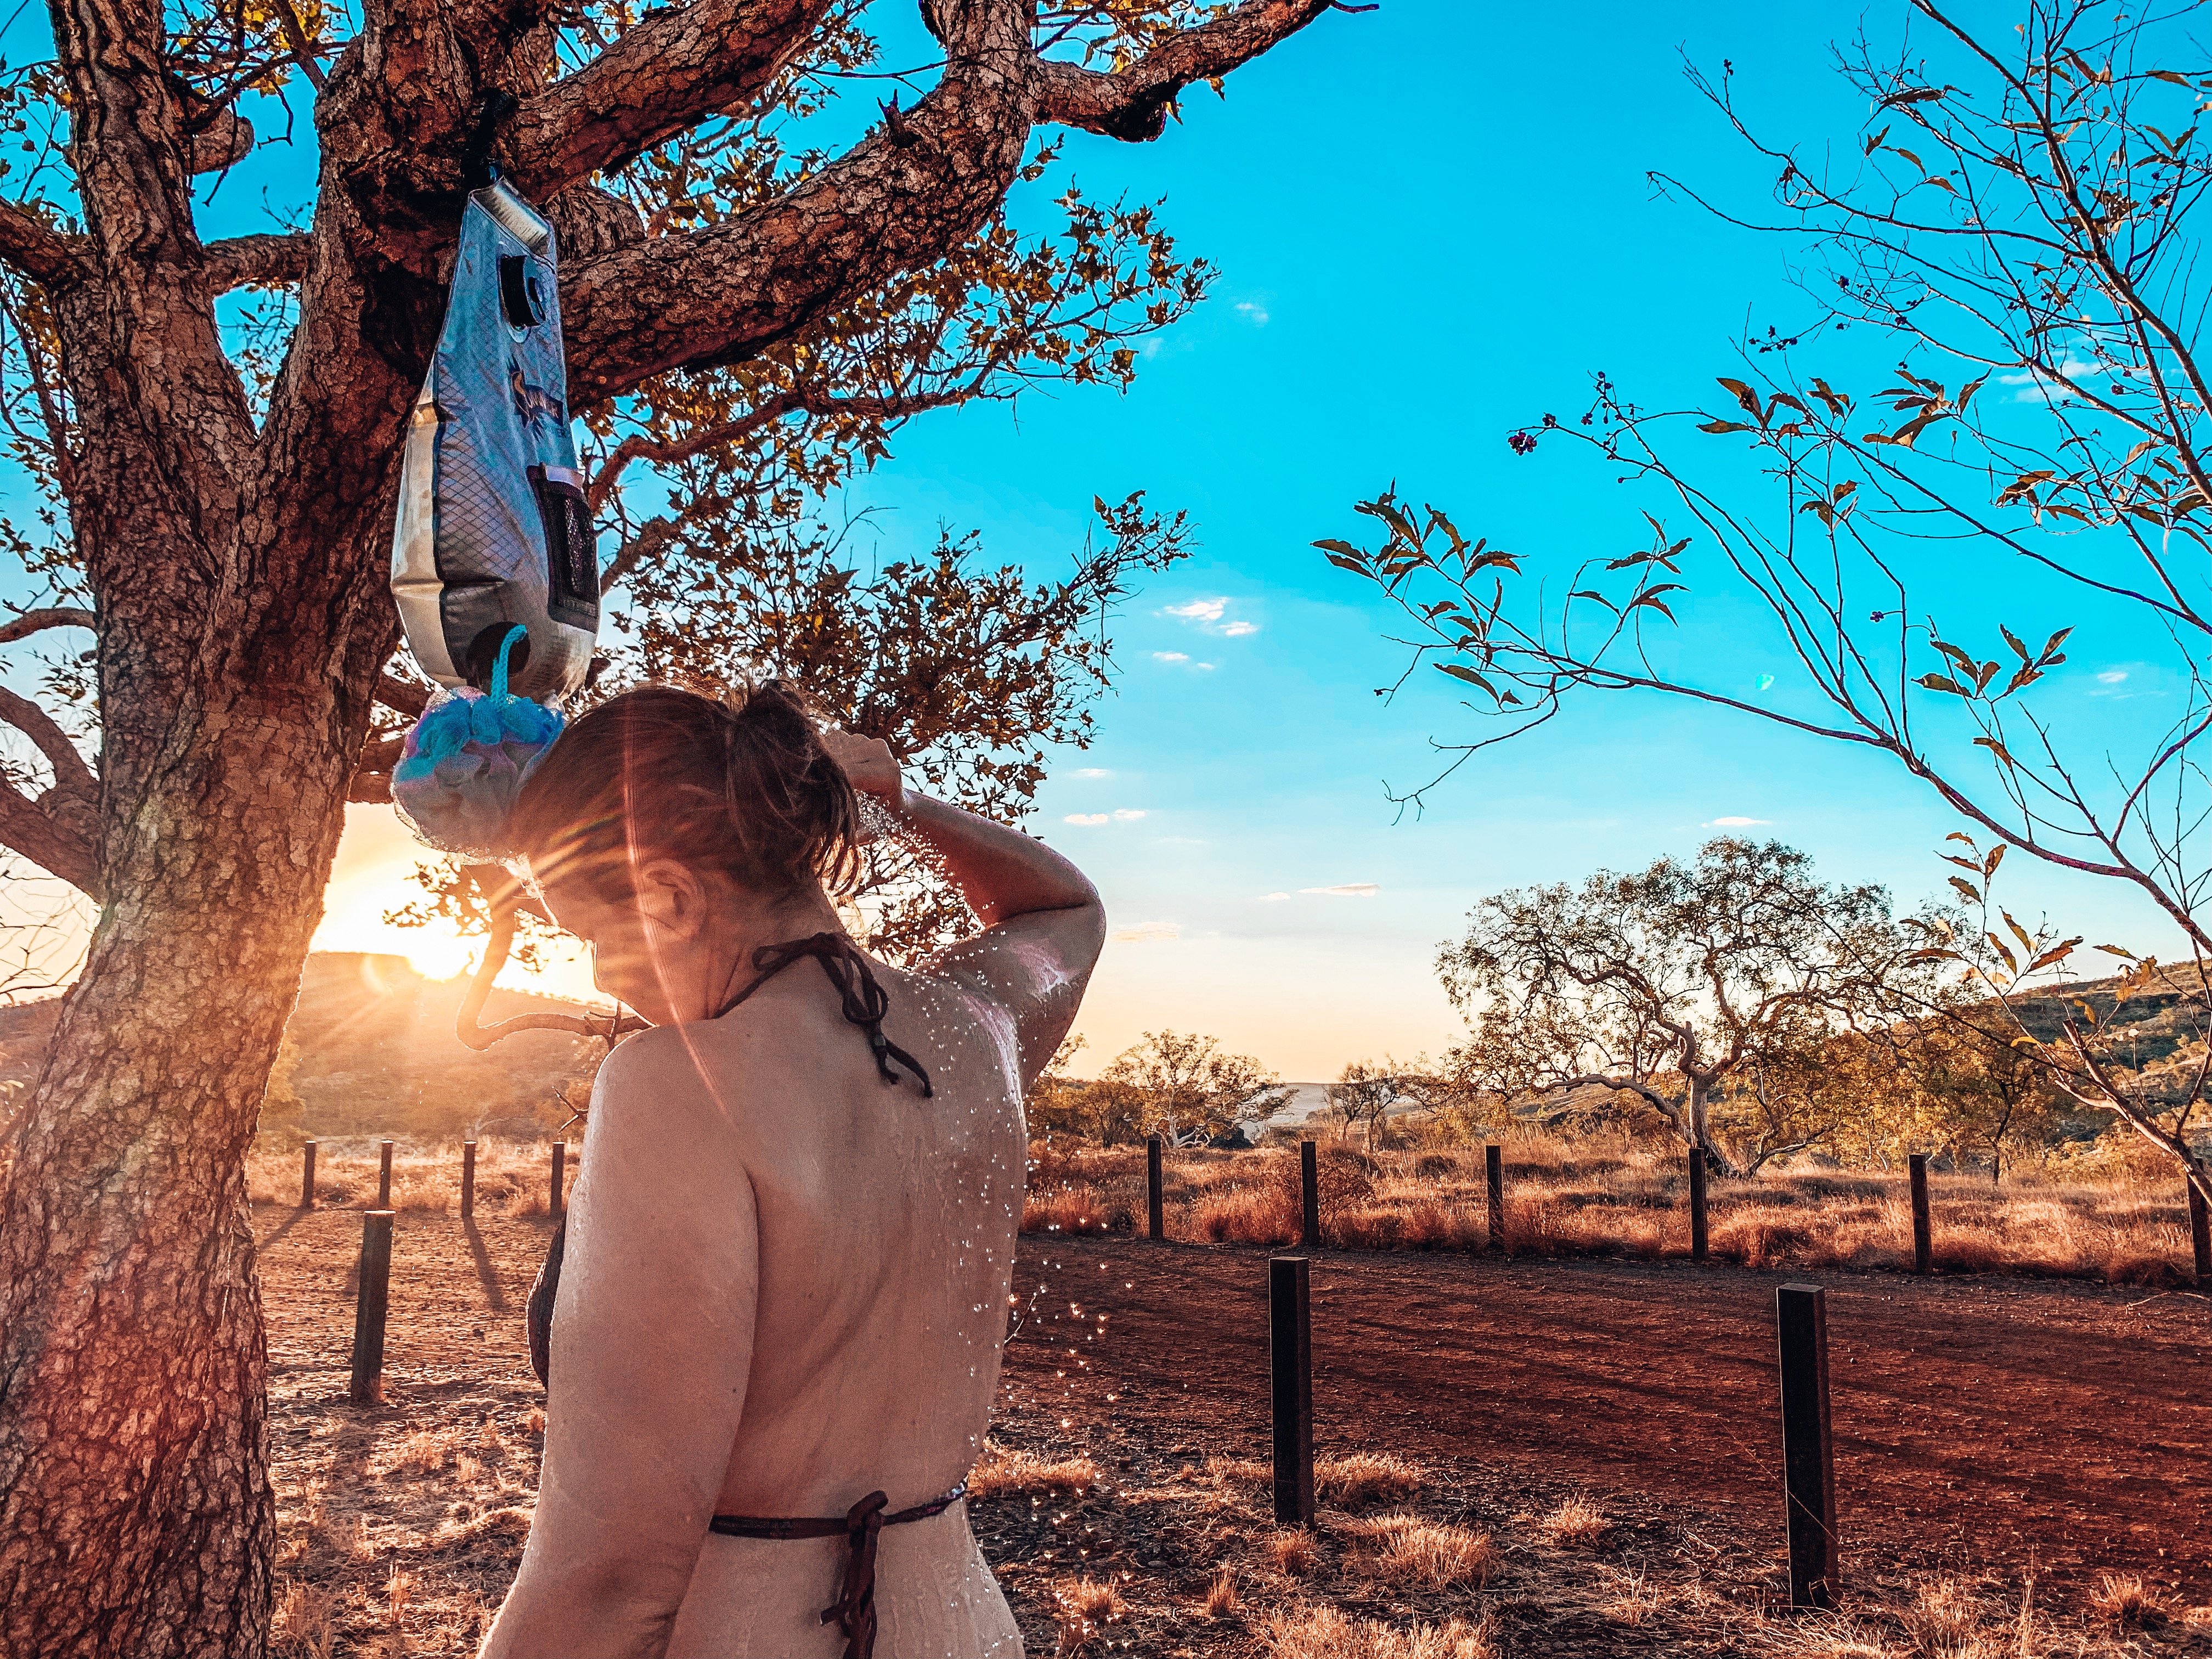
(467, 1024)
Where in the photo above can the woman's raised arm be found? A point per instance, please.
(1043, 922)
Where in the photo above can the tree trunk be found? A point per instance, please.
(131, 1354)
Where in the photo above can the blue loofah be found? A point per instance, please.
(467, 759)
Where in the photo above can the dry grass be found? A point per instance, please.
(1315, 1631)
(1616, 1196)
(1087, 1607)
(1222, 1601)
(1418, 1554)
(1576, 1524)
(1363, 1477)
(1293, 1552)
(1002, 1471)
(2126, 1601)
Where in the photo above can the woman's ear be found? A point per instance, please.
(671, 896)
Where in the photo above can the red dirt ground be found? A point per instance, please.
(2060, 1428)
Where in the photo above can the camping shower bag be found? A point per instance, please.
(494, 530)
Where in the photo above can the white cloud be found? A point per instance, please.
(1128, 812)
(2111, 677)
(1207, 666)
(1346, 889)
(1252, 312)
(1198, 610)
(1090, 771)
(1086, 818)
(1170, 656)
(1736, 824)
(1149, 933)
(1237, 630)
(1272, 898)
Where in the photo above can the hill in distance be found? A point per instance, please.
(373, 1053)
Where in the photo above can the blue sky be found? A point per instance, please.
(1433, 220)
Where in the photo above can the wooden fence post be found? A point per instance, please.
(307, 1176)
(2200, 1237)
(1290, 1354)
(371, 1302)
(1923, 1241)
(384, 1179)
(1155, 1213)
(1493, 1175)
(1808, 1467)
(1309, 1196)
(1700, 1237)
(468, 1180)
(560, 1176)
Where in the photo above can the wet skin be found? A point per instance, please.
(786, 1280)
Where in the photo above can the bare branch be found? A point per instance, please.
(1133, 103)
(671, 70)
(72, 775)
(239, 261)
(468, 1023)
(43, 254)
(27, 829)
(32, 621)
(402, 697)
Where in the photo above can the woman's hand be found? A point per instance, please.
(868, 765)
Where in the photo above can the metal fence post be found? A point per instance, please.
(1701, 1235)
(1290, 1354)
(371, 1302)
(384, 1179)
(1808, 1467)
(307, 1176)
(2200, 1237)
(560, 1176)
(468, 1180)
(1308, 1195)
(1493, 1175)
(1923, 1241)
(1155, 1215)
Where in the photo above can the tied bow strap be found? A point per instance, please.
(855, 1609)
(865, 1002)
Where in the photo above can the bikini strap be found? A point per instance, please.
(865, 1002)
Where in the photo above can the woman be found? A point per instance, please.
(788, 1261)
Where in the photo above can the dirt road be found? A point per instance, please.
(2057, 1426)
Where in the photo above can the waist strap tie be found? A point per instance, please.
(855, 1609)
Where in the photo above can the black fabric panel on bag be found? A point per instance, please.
(572, 556)
(518, 292)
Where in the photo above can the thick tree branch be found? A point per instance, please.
(898, 201)
(238, 261)
(28, 830)
(1133, 103)
(42, 254)
(33, 621)
(72, 775)
(402, 697)
(673, 69)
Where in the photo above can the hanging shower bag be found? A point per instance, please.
(494, 530)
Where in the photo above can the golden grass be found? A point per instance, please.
(1408, 1551)
(1363, 1477)
(1317, 1631)
(1003, 1470)
(1087, 1607)
(1613, 1195)
(1222, 1601)
(1293, 1552)
(2126, 1600)
(1576, 1523)
(514, 1178)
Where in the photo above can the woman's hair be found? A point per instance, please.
(743, 787)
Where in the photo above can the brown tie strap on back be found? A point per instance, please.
(865, 1001)
(855, 1609)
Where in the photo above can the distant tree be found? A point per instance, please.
(1188, 1092)
(1363, 1093)
(2021, 227)
(1702, 970)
